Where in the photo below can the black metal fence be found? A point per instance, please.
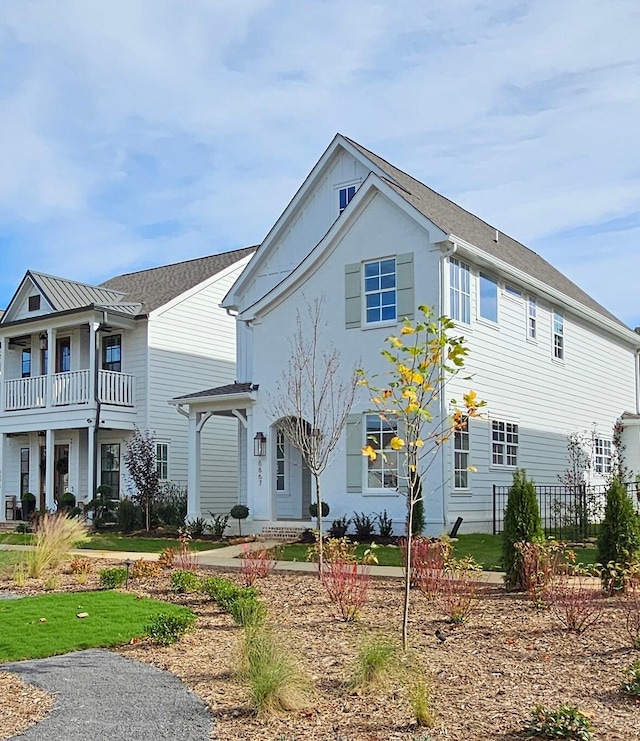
(567, 512)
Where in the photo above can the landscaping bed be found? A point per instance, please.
(486, 676)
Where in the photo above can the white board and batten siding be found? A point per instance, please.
(296, 236)
(192, 347)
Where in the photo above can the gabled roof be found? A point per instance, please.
(226, 390)
(458, 222)
(157, 286)
(63, 294)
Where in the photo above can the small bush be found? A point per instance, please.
(51, 582)
(421, 703)
(428, 560)
(113, 578)
(457, 596)
(183, 581)
(81, 565)
(167, 558)
(631, 684)
(522, 524)
(630, 603)
(257, 564)
(565, 722)
(170, 506)
(67, 501)
(143, 569)
(185, 559)
(364, 525)
(619, 536)
(273, 678)
(239, 512)
(129, 516)
(313, 510)
(225, 592)
(385, 524)
(167, 628)
(540, 563)
(218, 525)
(339, 527)
(575, 603)
(247, 610)
(373, 661)
(197, 527)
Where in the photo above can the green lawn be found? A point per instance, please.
(114, 618)
(485, 549)
(116, 542)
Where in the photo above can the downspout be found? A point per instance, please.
(446, 254)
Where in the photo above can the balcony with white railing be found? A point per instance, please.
(71, 388)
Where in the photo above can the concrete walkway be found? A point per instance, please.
(227, 558)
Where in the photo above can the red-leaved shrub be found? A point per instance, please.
(256, 564)
(428, 560)
(347, 584)
(577, 603)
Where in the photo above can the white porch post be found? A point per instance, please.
(4, 351)
(51, 365)
(93, 360)
(193, 479)
(50, 455)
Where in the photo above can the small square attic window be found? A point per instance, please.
(34, 302)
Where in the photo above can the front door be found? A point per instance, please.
(288, 479)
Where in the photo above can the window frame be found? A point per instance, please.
(26, 362)
(110, 478)
(512, 292)
(34, 302)
(557, 336)
(602, 455)
(107, 347)
(532, 319)
(379, 291)
(488, 278)
(385, 454)
(162, 460)
(25, 464)
(461, 454)
(345, 188)
(458, 272)
(504, 447)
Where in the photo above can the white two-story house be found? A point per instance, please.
(374, 243)
(82, 365)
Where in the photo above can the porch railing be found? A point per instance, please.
(567, 512)
(69, 388)
(25, 393)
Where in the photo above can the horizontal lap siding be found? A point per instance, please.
(192, 348)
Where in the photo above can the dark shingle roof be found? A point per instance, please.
(156, 286)
(455, 220)
(229, 388)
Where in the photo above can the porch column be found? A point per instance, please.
(94, 340)
(51, 366)
(4, 351)
(49, 501)
(193, 478)
(92, 483)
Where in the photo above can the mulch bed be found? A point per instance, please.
(486, 677)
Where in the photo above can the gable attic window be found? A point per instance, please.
(345, 195)
(34, 302)
(380, 290)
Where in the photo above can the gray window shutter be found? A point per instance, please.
(352, 295)
(404, 275)
(354, 453)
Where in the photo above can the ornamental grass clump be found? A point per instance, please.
(54, 536)
(375, 660)
(274, 681)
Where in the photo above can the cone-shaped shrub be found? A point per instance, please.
(619, 538)
(521, 525)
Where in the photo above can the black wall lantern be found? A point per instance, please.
(260, 445)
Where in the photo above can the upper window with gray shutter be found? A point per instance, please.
(379, 291)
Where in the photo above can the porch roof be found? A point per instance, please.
(221, 399)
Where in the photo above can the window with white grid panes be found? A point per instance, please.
(602, 455)
(558, 336)
(459, 291)
(382, 473)
(380, 290)
(532, 319)
(162, 461)
(504, 443)
(461, 456)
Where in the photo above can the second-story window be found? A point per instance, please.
(558, 335)
(459, 291)
(112, 353)
(488, 308)
(26, 362)
(63, 355)
(602, 455)
(532, 319)
(380, 290)
(345, 195)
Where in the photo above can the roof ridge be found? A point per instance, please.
(182, 262)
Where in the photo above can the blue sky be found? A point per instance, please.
(141, 132)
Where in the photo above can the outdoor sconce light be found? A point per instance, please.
(260, 445)
(43, 340)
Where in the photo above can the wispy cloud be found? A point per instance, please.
(140, 133)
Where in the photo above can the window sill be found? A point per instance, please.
(496, 467)
(558, 361)
(382, 493)
(489, 323)
(380, 325)
(461, 492)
